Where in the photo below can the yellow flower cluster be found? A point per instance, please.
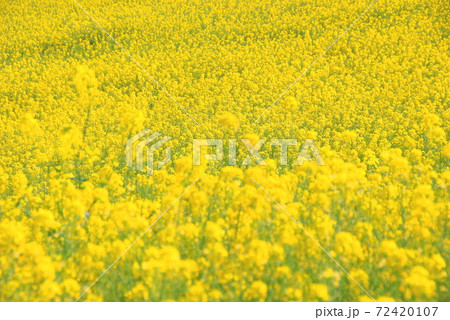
(376, 105)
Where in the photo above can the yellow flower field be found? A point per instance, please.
(376, 104)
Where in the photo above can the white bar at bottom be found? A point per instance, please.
(225, 310)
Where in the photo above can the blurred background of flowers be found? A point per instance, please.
(376, 105)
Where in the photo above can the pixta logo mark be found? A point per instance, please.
(139, 143)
